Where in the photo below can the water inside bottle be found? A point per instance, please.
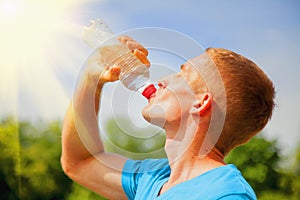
(136, 78)
(134, 75)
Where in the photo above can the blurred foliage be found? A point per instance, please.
(10, 160)
(259, 160)
(123, 137)
(30, 161)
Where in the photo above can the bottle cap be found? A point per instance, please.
(148, 91)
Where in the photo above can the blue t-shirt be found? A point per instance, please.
(142, 180)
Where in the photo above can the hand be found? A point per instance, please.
(136, 48)
(111, 73)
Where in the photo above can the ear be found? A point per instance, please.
(202, 104)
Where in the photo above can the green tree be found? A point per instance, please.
(296, 172)
(30, 159)
(122, 137)
(290, 182)
(9, 159)
(258, 160)
(30, 163)
(41, 174)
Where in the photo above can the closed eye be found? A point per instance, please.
(162, 84)
(182, 66)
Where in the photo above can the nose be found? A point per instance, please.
(164, 82)
(160, 84)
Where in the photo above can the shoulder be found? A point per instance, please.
(140, 178)
(233, 185)
(223, 182)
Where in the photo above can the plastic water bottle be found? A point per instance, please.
(134, 74)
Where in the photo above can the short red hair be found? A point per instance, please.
(249, 96)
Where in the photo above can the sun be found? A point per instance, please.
(27, 26)
(32, 33)
(9, 9)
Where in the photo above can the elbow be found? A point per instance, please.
(66, 166)
(70, 168)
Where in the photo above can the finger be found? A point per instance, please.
(142, 57)
(144, 50)
(107, 76)
(115, 70)
(124, 39)
(133, 45)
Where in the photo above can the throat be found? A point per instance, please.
(189, 166)
(176, 179)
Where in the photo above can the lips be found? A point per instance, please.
(149, 91)
(152, 95)
(150, 99)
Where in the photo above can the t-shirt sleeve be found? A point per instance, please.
(134, 170)
(236, 197)
(130, 177)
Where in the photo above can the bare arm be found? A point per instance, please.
(83, 158)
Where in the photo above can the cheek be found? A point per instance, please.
(168, 107)
(181, 102)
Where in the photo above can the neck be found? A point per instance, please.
(183, 154)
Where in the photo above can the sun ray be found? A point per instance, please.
(39, 50)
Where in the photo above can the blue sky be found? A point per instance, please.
(268, 32)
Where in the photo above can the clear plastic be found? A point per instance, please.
(134, 74)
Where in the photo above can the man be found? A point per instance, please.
(191, 106)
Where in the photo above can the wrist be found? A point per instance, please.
(87, 93)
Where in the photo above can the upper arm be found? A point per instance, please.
(101, 173)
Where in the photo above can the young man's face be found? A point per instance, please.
(174, 97)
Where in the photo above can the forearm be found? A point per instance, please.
(80, 134)
(83, 159)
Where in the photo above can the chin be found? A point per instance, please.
(146, 115)
(154, 115)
